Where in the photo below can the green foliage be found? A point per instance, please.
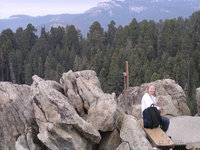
(28, 71)
(115, 77)
(110, 34)
(167, 49)
(170, 37)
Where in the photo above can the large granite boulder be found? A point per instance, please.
(184, 130)
(68, 82)
(198, 100)
(60, 126)
(84, 93)
(170, 96)
(18, 128)
(132, 133)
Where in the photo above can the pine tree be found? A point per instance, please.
(133, 33)
(50, 66)
(115, 77)
(8, 46)
(28, 71)
(111, 32)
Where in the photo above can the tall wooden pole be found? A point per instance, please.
(126, 85)
(127, 75)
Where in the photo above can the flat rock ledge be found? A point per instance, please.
(185, 130)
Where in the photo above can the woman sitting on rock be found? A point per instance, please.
(148, 99)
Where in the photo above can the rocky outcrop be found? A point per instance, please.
(184, 130)
(84, 93)
(76, 114)
(170, 96)
(75, 117)
(198, 100)
(18, 128)
(132, 133)
(60, 127)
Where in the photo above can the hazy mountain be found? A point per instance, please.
(121, 11)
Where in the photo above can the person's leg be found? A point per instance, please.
(165, 123)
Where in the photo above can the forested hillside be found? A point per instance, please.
(154, 50)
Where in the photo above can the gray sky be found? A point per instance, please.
(44, 7)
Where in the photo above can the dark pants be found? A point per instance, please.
(165, 123)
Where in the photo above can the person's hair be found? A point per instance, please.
(149, 87)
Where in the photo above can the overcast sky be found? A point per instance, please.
(44, 7)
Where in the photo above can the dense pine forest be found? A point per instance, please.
(155, 50)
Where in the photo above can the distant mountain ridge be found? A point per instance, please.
(121, 11)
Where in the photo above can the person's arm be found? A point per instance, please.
(146, 102)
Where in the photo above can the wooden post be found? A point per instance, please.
(126, 85)
(127, 75)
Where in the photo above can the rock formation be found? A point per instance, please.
(97, 107)
(60, 127)
(132, 133)
(76, 114)
(18, 128)
(198, 100)
(170, 96)
(184, 130)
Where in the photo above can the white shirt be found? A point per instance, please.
(147, 100)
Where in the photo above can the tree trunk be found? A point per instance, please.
(12, 74)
